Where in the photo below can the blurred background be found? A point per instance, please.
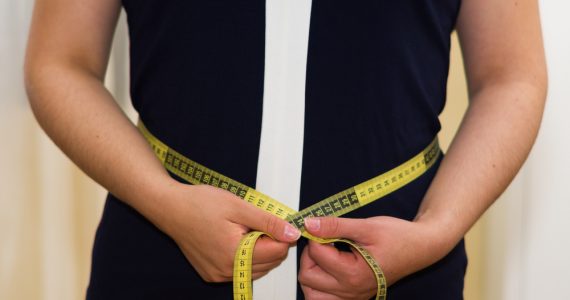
(49, 210)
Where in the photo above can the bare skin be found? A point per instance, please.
(504, 61)
(505, 66)
(64, 71)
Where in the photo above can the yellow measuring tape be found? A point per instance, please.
(335, 205)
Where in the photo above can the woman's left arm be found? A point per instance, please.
(506, 73)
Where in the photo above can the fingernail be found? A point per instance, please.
(292, 232)
(312, 224)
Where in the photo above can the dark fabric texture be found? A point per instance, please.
(376, 78)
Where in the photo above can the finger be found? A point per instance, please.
(332, 227)
(314, 294)
(257, 219)
(313, 276)
(306, 261)
(256, 268)
(258, 275)
(338, 264)
(268, 250)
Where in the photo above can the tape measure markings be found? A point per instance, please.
(335, 205)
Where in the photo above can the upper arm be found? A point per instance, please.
(501, 41)
(76, 33)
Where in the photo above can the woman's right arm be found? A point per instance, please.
(66, 60)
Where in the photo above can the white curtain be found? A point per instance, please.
(48, 209)
(527, 248)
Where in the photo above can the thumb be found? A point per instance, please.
(333, 227)
(279, 229)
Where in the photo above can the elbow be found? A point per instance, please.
(45, 78)
(526, 87)
(34, 78)
(44, 82)
(542, 85)
(29, 78)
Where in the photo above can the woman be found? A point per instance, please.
(300, 100)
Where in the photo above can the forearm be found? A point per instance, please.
(82, 118)
(66, 59)
(495, 138)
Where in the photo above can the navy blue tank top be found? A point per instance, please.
(376, 76)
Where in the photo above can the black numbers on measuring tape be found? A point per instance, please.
(241, 193)
(327, 209)
(345, 202)
(183, 167)
(190, 171)
(318, 212)
(224, 185)
(431, 154)
(251, 198)
(198, 175)
(206, 178)
(299, 221)
(169, 158)
(336, 206)
(353, 198)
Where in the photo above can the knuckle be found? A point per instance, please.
(309, 294)
(227, 269)
(227, 273)
(355, 278)
(302, 277)
(334, 225)
(271, 224)
(218, 274)
(283, 253)
(353, 281)
(283, 256)
(259, 274)
(312, 251)
(210, 278)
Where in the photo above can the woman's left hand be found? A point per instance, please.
(400, 247)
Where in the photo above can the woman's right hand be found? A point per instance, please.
(208, 223)
(65, 87)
